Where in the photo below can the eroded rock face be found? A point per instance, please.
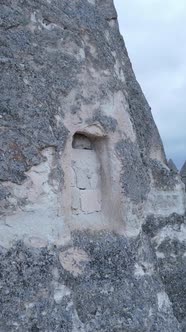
(98, 283)
(65, 72)
(86, 195)
(168, 237)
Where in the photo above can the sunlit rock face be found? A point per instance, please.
(90, 211)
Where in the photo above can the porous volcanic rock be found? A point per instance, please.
(92, 228)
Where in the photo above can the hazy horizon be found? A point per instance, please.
(154, 33)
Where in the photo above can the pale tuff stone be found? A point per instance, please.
(90, 201)
(76, 199)
(82, 178)
(74, 260)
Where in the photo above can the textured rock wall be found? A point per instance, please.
(168, 237)
(98, 283)
(110, 257)
(65, 70)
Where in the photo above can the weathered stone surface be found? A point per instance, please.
(64, 67)
(183, 170)
(172, 166)
(92, 228)
(90, 201)
(43, 58)
(104, 283)
(169, 241)
(183, 174)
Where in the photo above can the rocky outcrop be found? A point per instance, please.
(102, 282)
(92, 228)
(183, 173)
(168, 238)
(172, 166)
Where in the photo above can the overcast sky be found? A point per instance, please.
(155, 36)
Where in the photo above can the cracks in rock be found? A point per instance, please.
(14, 26)
(113, 18)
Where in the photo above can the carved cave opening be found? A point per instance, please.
(86, 176)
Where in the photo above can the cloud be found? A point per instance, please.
(154, 32)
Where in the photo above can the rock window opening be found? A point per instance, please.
(86, 176)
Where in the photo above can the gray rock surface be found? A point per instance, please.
(65, 73)
(183, 173)
(183, 170)
(172, 166)
(39, 69)
(116, 288)
(168, 239)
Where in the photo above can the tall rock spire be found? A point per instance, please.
(91, 216)
(172, 166)
(183, 173)
(183, 170)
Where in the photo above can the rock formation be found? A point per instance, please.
(183, 173)
(92, 219)
(172, 166)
